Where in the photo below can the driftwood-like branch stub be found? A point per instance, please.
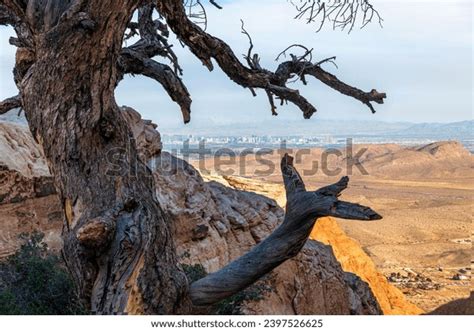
(303, 208)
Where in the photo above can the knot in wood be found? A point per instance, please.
(96, 233)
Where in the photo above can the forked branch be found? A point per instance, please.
(303, 208)
(340, 14)
(132, 62)
(287, 69)
(207, 47)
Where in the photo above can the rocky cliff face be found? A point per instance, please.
(347, 251)
(215, 223)
(215, 220)
(27, 194)
(352, 258)
(23, 170)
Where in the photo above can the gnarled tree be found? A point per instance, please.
(117, 240)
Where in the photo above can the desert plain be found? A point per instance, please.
(423, 244)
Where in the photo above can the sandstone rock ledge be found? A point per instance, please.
(27, 194)
(23, 170)
(215, 223)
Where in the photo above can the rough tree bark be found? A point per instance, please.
(117, 240)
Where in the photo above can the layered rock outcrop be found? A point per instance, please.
(353, 258)
(23, 170)
(215, 223)
(27, 195)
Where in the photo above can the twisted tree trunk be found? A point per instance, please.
(116, 238)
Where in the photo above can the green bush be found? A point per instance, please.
(35, 282)
(233, 305)
(194, 272)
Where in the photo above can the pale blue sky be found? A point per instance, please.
(422, 58)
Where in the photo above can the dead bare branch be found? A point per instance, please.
(340, 14)
(308, 52)
(333, 82)
(153, 37)
(196, 12)
(303, 208)
(215, 4)
(17, 21)
(9, 104)
(207, 47)
(133, 62)
(248, 57)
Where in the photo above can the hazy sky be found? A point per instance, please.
(422, 58)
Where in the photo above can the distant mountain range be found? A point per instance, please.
(456, 130)
(339, 128)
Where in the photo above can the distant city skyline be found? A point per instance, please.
(422, 59)
(324, 133)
